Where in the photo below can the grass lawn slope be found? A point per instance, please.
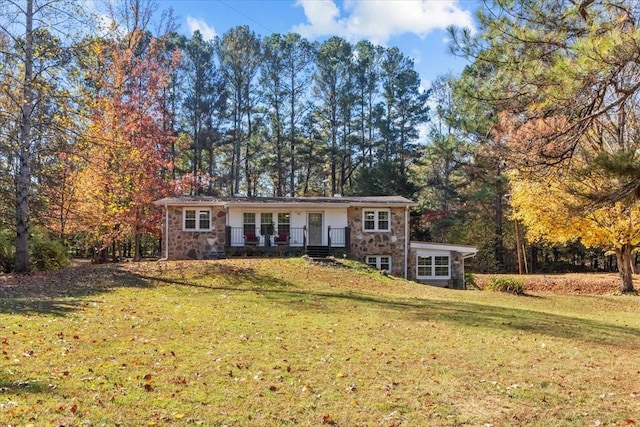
(284, 342)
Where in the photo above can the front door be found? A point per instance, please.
(314, 224)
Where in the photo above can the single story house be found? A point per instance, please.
(374, 230)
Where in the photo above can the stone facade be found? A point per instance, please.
(194, 244)
(391, 243)
(181, 244)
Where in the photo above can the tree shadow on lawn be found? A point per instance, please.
(467, 314)
(217, 276)
(473, 315)
(64, 291)
(60, 293)
(16, 387)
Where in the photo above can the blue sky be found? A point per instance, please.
(416, 27)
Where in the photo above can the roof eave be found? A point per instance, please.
(466, 251)
(301, 204)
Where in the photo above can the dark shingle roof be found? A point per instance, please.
(239, 200)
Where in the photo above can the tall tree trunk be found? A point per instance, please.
(137, 246)
(235, 162)
(137, 238)
(279, 153)
(334, 150)
(248, 158)
(292, 139)
(22, 264)
(210, 168)
(498, 241)
(624, 258)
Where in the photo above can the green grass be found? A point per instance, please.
(283, 342)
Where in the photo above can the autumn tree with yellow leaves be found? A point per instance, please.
(565, 83)
(560, 209)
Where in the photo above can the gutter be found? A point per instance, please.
(166, 233)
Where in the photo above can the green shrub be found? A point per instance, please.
(7, 251)
(470, 280)
(340, 254)
(46, 253)
(512, 285)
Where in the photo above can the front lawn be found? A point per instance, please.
(277, 342)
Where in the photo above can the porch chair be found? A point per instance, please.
(251, 239)
(282, 239)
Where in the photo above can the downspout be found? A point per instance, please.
(166, 232)
(227, 227)
(406, 241)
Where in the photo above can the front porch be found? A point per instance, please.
(291, 241)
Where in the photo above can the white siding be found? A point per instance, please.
(334, 218)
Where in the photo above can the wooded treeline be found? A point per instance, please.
(103, 121)
(99, 122)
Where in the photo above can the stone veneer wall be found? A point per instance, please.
(194, 244)
(391, 243)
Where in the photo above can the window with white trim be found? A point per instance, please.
(266, 223)
(196, 220)
(376, 219)
(433, 266)
(379, 262)
(284, 222)
(249, 222)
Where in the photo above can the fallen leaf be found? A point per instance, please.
(326, 419)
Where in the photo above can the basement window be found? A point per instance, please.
(379, 262)
(434, 266)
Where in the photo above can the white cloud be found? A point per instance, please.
(208, 32)
(416, 54)
(378, 20)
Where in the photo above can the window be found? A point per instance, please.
(383, 220)
(376, 220)
(197, 220)
(284, 222)
(379, 262)
(425, 266)
(441, 266)
(266, 223)
(249, 222)
(433, 266)
(369, 220)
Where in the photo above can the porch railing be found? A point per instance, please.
(337, 237)
(236, 237)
